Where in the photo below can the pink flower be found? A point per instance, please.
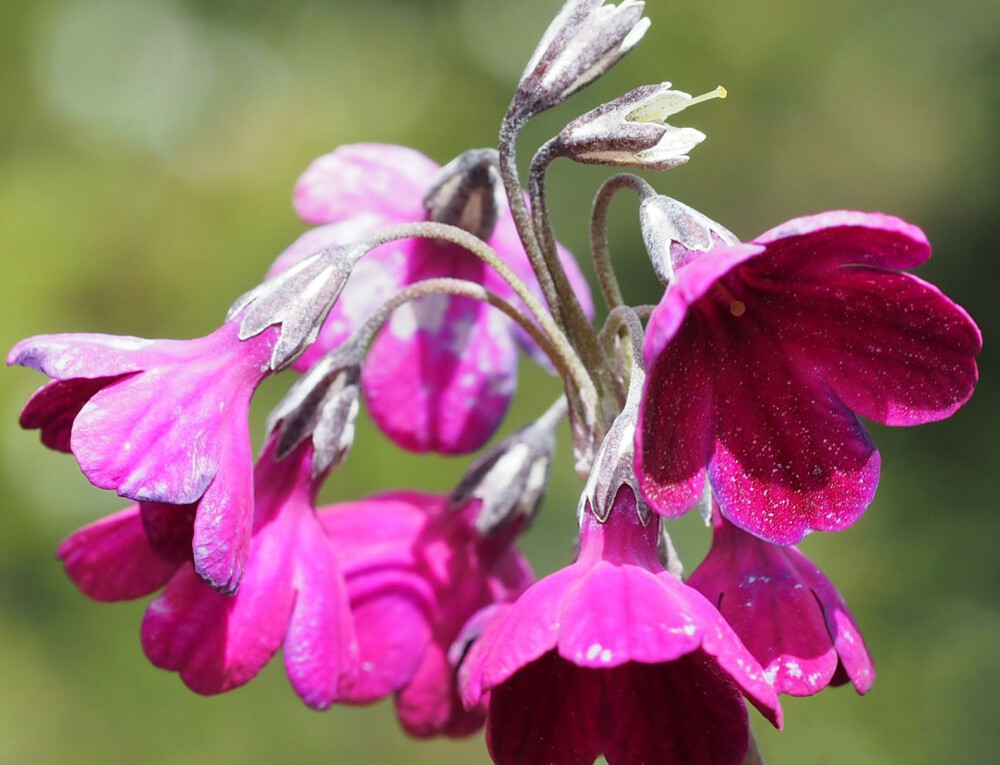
(441, 373)
(159, 421)
(786, 612)
(293, 592)
(614, 655)
(760, 355)
(416, 571)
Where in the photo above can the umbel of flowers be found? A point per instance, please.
(415, 293)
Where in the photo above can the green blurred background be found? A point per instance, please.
(147, 153)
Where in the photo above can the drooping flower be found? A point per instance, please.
(416, 572)
(159, 421)
(292, 595)
(441, 373)
(614, 655)
(760, 356)
(788, 614)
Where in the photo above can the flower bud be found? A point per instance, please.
(468, 193)
(583, 42)
(673, 232)
(510, 479)
(298, 299)
(322, 405)
(632, 131)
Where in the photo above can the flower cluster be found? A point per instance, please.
(738, 393)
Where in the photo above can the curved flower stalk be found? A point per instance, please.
(293, 593)
(440, 375)
(613, 655)
(161, 421)
(789, 615)
(761, 355)
(416, 571)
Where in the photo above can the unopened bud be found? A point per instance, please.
(583, 42)
(632, 130)
(298, 299)
(673, 232)
(468, 193)
(322, 406)
(510, 480)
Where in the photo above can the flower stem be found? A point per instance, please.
(460, 288)
(578, 326)
(522, 219)
(571, 366)
(599, 232)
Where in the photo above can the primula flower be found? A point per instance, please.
(159, 421)
(293, 592)
(441, 373)
(760, 355)
(416, 572)
(614, 655)
(788, 614)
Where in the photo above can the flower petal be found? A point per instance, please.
(789, 457)
(689, 285)
(219, 642)
(547, 713)
(673, 437)
(892, 347)
(88, 355)
(429, 704)
(619, 614)
(320, 647)
(224, 521)
(376, 544)
(365, 178)
(112, 559)
(441, 374)
(820, 242)
(54, 406)
(684, 712)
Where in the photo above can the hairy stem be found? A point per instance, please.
(599, 232)
(570, 363)
(578, 326)
(522, 219)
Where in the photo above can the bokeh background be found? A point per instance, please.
(147, 153)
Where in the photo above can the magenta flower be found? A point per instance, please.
(159, 421)
(614, 655)
(760, 355)
(441, 373)
(293, 592)
(788, 614)
(416, 571)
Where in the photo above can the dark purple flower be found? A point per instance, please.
(416, 572)
(788, 614)
(760, 356)
(159, 421)
(441, 373)
(615, 655)
(293, 592)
